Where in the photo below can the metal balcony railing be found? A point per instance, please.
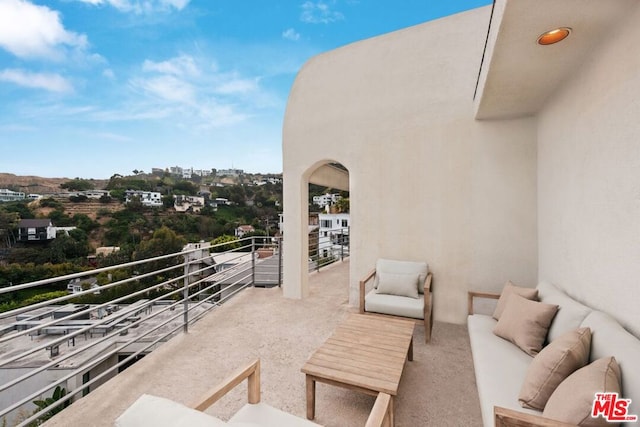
(78, 341)
(327, 246)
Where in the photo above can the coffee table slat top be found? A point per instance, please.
(365, 352)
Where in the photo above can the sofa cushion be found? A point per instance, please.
(570, 312)
(394, 305)
(401, 284)
(261, 414)
(609, 338)
(525, 323)
(499, 365)
(509, 289)
(552, 365)
(153, 411)
(402, 267)
(572, 401)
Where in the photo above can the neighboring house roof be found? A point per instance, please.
(246, 228)
(34, 223)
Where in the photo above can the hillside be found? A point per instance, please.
(39, 185)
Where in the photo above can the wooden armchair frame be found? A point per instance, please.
(380, 415)
(428, 304)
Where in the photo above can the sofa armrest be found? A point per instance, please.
(251, 373)
(472, 294)
(370, 275)
(380, 415)
(509, 418)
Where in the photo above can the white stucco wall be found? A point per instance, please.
(589, 180)
(427, 181)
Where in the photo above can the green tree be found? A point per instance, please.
(77, 184)
(164, 241)
(231, 243)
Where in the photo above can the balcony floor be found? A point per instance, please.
(437, 388)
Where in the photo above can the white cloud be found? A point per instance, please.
(234, 85)
(108, 73)
(319, 13)
(182, 65)
(31, 31)
(50, 82)
(168, 88)
(291, 34)
(141, 6)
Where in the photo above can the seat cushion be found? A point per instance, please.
(402, 267)
(499, 365)
(263, 415)
(153, 411)
(394, 305)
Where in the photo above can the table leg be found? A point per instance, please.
(311, 397)
(410, 355)
(391, 412)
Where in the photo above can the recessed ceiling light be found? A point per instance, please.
(554, 36)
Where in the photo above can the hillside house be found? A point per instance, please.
(36, 230)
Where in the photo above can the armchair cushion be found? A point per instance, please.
(401, 284)
(153, 411)
(402, 267)
(395, 305)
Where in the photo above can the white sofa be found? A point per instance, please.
(501, 367)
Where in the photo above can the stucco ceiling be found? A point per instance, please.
(517, 75)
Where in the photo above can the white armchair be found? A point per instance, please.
(400, 289)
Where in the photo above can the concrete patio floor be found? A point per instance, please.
(437, 388)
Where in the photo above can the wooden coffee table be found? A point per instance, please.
(365, 353)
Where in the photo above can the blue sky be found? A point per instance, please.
(89, 88)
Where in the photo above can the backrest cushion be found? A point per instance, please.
(552, 365)
(402, 267)
(609, 338)
(509, 289)
(572, 401)
(525, 323)
(401, 284)
(570, 314)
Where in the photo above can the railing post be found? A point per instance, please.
(342, 246)
(280, 261)
(253, 260)
(185, 294)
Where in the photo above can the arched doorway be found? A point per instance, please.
(298, 258)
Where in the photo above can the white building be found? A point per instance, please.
(147, 198)
(333, 234)
(185, 203)
(10, 196)
(326, 199)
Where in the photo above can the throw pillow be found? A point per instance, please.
(508, 290)
(405, 285)
(525, 323)
(552, 365)
(572, 401)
